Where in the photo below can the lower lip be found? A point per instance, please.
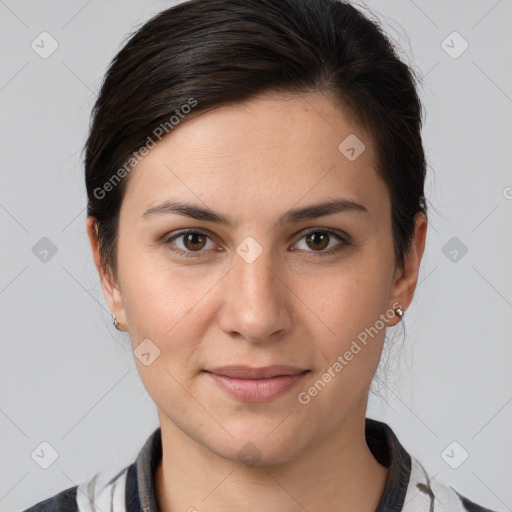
(257, 390)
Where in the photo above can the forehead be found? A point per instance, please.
(268, 152)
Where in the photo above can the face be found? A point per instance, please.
(294, 299)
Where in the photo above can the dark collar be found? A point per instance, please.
(140, 491)
(388, 451)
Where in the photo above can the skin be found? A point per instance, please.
(252, 162)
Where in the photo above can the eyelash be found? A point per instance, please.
(191, 254)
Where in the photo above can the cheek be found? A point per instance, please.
(354, 306)
(157, 293)
(356, 311)
(162, 305)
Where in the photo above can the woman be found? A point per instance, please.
(255, 177)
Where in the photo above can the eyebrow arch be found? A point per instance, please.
(313, 211)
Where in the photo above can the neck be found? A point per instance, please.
(338, 473)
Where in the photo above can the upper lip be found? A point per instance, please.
(247, 372)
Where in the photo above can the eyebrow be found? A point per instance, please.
(313, 211)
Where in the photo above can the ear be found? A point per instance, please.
(110, 287)
(405, 279)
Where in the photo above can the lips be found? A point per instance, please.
(250, 384)
(246, 372)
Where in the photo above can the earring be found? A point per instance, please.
(399, 313)
(115, 322)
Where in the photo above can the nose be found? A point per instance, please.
(257, 300)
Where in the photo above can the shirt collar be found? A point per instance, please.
(140, 490)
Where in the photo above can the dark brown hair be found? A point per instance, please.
(208, 53)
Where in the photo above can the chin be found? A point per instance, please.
(257, 448)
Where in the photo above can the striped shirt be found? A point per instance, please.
(408, 487)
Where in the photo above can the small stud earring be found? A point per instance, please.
(115, 322)
(399, 313)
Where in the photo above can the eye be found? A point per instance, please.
(320, 239)
(193, 241)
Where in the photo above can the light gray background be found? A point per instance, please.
(68, 377)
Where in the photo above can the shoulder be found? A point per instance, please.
(111, 489)
(409, 488)
(105, 491)
(424, 493)
(64, 501)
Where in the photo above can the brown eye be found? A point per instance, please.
(194, 241)
(317, 240)
(187, 243)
